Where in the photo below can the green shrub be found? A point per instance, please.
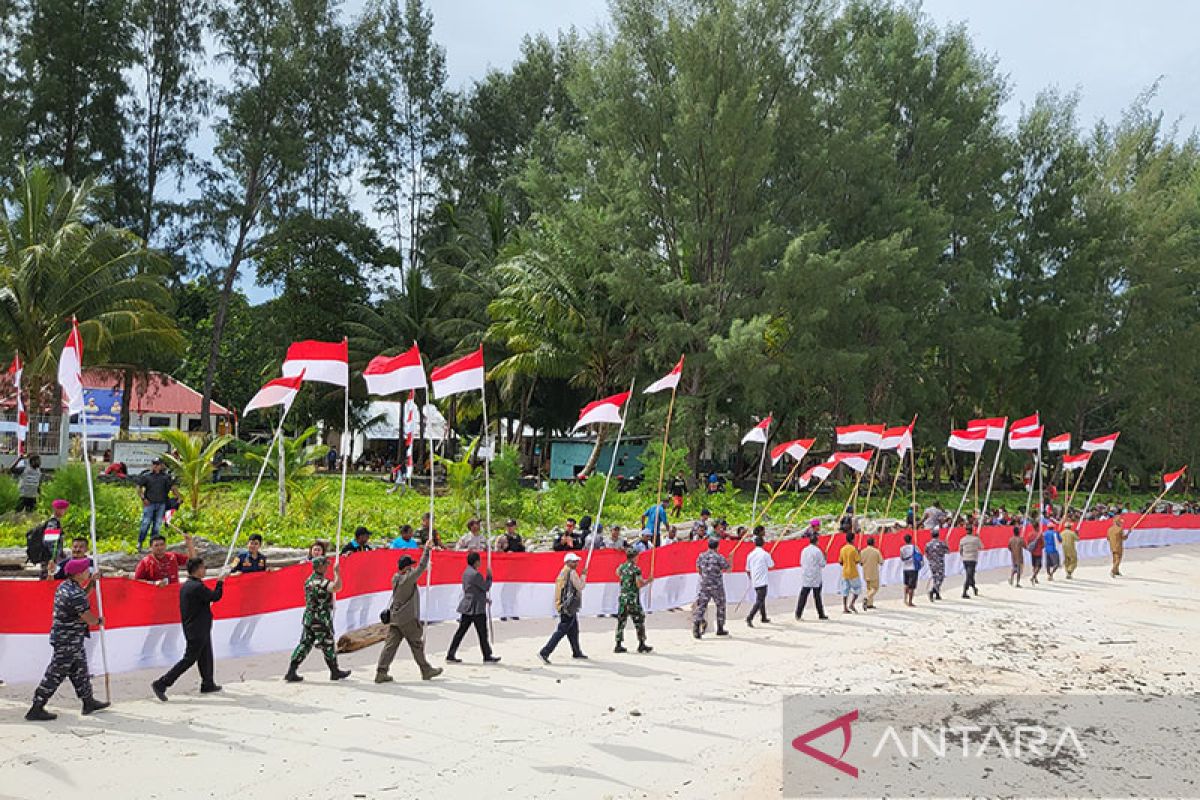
(8, 494)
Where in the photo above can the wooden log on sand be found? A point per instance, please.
(362, 638)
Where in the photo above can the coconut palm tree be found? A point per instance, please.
(58, 261)
(192, 460)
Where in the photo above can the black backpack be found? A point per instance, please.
(35, 545)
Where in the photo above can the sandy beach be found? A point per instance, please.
(692, 719)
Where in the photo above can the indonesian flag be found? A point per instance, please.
(855, 461)
(1028, 439)
(16, 371)
(410, 429)
(1025, 424)
(1104, 443)
(968, 441)
(1061, 443)
(797, 449)
(279, 392)
(993, 425)
(1075, 462)
(669, 381)
(70, 370)
(394, 374)
(860, 434)
(820, 472)
(319, 362)
(1170, 478)
(898, 439)
(606, 410)
(759, 432)
(463, 375)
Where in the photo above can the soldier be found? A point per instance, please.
(318, 621)
(935, 554)
(710, 565)
(629, 602)
(72, 616)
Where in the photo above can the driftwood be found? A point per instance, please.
(362, 638)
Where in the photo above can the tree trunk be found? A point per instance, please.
(590, 466)
(362, 638)
(126, 400)
(214, 350)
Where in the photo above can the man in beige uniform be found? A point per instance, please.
(1116, 542)
(404, 619)
(872, 560)
(1070, 542)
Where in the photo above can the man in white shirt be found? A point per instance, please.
(812, 564)
(758, 565)
(472, 539)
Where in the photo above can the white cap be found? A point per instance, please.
(569, 557)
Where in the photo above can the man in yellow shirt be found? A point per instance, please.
(872, 560)
(850, 586)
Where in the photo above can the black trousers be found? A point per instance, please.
(760, 603)
(199, 652)
(465, 621)
(568, 626)
(969, 568)
(805, 591)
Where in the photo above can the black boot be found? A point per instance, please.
(696, 629)
(721, 631)
(644, 648)
(336, 674)
(38, 713)
(91, 704)
(292, 676)
(620, 649)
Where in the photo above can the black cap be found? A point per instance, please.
(405, 562)
(156, 461)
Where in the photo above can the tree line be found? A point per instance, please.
(820, 203)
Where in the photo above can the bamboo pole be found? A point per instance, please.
(611, 468)
(966, 491)
(1148, 511)
(1096, 485)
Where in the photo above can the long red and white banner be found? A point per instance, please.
(260, 613)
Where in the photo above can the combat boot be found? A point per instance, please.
(91, 705)
(38, 713)
(696, 630)
(292, 676)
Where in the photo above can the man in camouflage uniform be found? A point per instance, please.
(72, 616)
(711, 565)
(629, 602)
(318, 620)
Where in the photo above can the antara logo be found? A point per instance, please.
(801, 743)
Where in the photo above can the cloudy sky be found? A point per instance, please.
(1109, 50)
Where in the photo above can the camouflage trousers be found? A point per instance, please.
(631, 611)
(69, 661)
(716, 595)
(319, 636)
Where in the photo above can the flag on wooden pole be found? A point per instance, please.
(279, 392)
(1101, 444)
(759, 432)
(668, 381)
(869, 435)
(1059, 444)
(387, 375)
(968, 441)
(604, 410)
(320, 362)
(462, 375)
(17, 370)
(797, 449)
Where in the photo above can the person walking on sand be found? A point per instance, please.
(935, 554)
(1116, 543)
(850, 586)
(568, 598)
(812, 567)
(1070, 551)
(195, 613)
(969, 549)
(629, 602)
(1037, 548)
(1052, 539)
(318, 621)
(404, 619)
(910, 562)
(72, 616)
(711, 565)
(1016, 550)
(472, 610)
(758, 566)
(872, 560)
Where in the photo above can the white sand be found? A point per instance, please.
(693, 719)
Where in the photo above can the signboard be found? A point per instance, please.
(103, 407)
(136, 456)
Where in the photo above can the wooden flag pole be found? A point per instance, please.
(887, 512)
(1096, 485)
(1037, 466)
(87, 469)
(755, 522)
(237, 531)
(987, 496)
(762, 459)
(612, 466)
(429, 533)
(798, 509)
(846, 508)
(870, 485)
(966, 491)
(1148, 511)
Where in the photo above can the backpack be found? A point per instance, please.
(35, 545)
(918, 559)
(568, 599)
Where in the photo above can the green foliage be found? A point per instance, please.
(8, 493)
(301, 455)
(192, 459)
(67, 483)
(506, 482)
(652, 462)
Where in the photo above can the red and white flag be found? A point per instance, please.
(16, 371)
(668, 381)
(462, 375)
(968, 441)
(387, 375)
(759, 432)
(819, 471)
(855, 461)
(70, 370)
(898, 439)
(1025, 423)
(1170, 478)
(319, 362)
(797, 449)
(279, 392)
(410, 430)
(1027, 439)
(1101, 444)
(1080, 461)
(1059, 444)
(605, 410)
(994, 426)
(860, 434)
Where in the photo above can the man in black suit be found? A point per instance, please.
(195, 612)
(472, 610)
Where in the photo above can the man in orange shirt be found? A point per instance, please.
(850, 586)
